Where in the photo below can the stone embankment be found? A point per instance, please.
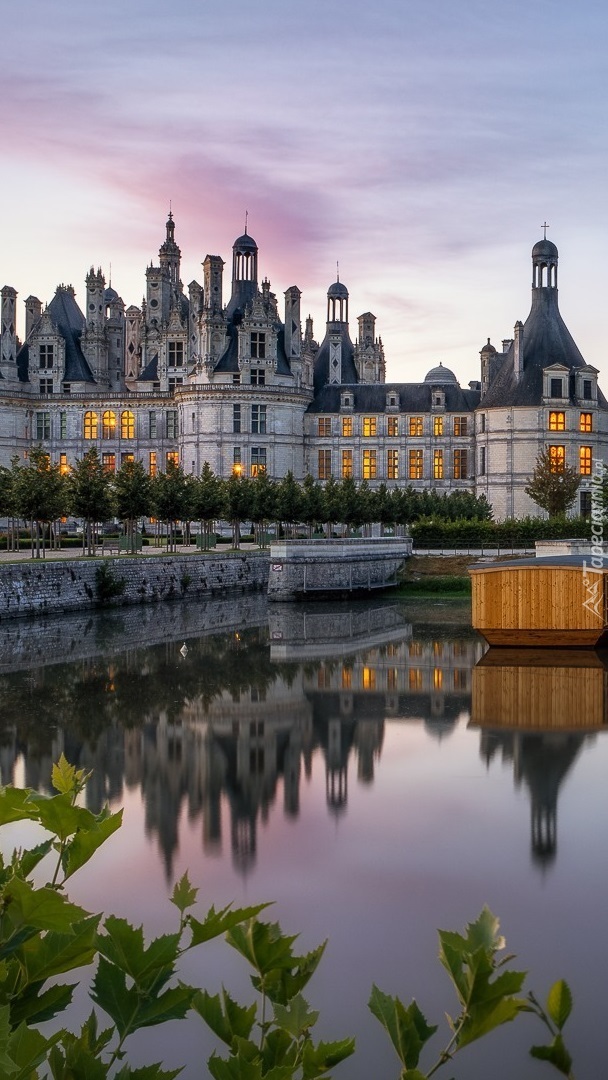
(48, 587)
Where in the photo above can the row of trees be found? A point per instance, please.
(39, 494)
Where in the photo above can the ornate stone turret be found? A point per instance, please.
(244, 273)
(33, 311)
(169, 256)
(369, 354)
(8, 335)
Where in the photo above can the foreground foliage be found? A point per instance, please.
(44, 936)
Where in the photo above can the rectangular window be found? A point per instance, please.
(63, 425)
(557, 421)
(347, 427)
(172, 458)
(460, 425)
(585, 458)
(392, 426)
(64, 468)
(237, 464)
(415, 679)
(108, 462)
(153, 463)
(258, 460)
(172, 429)
(236, 419)
(258, 376)
(126, 456)
(236, 378)
(152, 425)
(460, 465)
(587, 390)
(368, 678)
(482, 423)
(585, 504)
(369, 426)
(46, 357)
(46, 386)
(438, 464)
(324, 427)
(369, 464)
(556, 388)
(438, 425)
(258, 345)
(415, 465)
(557, 458)
(176, 354)
(43, 426)
(347, 464)
(586, 422)
(482, 461)
(392, 464)
(415, 426)
(258, 419)
(324, 464)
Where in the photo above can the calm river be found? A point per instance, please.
(364, 766)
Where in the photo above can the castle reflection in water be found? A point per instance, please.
(236, 721)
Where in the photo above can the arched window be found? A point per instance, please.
(91, 425)
(127, 425)
(108, 424)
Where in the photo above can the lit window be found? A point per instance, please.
(437, 678)
(43, 426)
(108, 424)
(347, 427)
(369, 426)
(64, 468)
(324, 464)
(585, 457)
(347, 464)
(460, 465)
(127, 425)
(460, 425)
(126, 457)
(258, 419)
(415, 679)
(438, 464)
(176, 354)
(586, 422)
(415, 465)
(438, 425)
(557, 458)
(324, 427)
(237, 466)
(392, 426)
(415, 425)
(368, 678)
(258, 345)
(392, 464)
(172, 458)
(258, 460)
(91, 425)
(153, 463)
(369, 464)
(557, 421)
(108, 462)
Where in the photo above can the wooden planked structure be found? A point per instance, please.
(539, 690)
(557, 601)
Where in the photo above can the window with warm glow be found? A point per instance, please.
(64, 468)
(369, 426)
(172, 458)
(460, 425)
(460, 465)
(415, 425)
(108, 462)
(368, 678)
(369, 464)
(91, 425)
(127, 425)
(415, 679)
(347, 427)
(438, 464)
(438, 425)
(585, 458)
(392, 426)
(437, 678)
(392, 464)
(324, 464)
(324, 427)
(557, 458)
(152, 465)
(347, 464)
(258, 460)
(415, 465)
(557, 421)
(586, 422)
(108, 424)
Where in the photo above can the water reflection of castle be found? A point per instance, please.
(225, 733)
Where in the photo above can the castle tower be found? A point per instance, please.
(244, 273)
(369, 354)
(169, 256)
(33, 311)
(116, 327)
(8, 334)
(337, 317)
(293, 325)
(213, 267)
(94, 341)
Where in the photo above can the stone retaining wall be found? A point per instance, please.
(47, 587)
(305, 567)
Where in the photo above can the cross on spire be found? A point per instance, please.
(544, 227)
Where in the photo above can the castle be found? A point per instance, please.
(189, 378)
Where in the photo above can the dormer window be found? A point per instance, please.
(556, 387)
(346, 401)
(46, 357)
(258, 345)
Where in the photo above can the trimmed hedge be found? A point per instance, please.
(430, 531)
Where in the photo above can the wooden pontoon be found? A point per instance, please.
(559, 601)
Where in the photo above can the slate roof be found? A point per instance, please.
(412, 397)
(229, 360)
(321, 362)
(546, 341)
(69, 321)
(150, 372)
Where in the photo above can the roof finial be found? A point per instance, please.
(246, 217)
(337, 270)
(544, 227)
(110, 281)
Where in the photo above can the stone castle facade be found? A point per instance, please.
(189, 377)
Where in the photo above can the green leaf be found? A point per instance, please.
(66, 779)
(413, 1074)
(221, 922)
(61, 817)
(559, 1003)
(16, 805)
(184, 895)
(147, 1072)
(296, 1017)
(7, 1065)
(484, 1019)
(35, 1008)
(85, 843)
(556, 1054)
(28, 1049)
(76, 1062)
(318, 1059)
(43, 909)
(131, 1010)
(123, 945)
(407, 1028)
(26, 861)
(224, 1016)
(53, 953)
(235, 1068)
